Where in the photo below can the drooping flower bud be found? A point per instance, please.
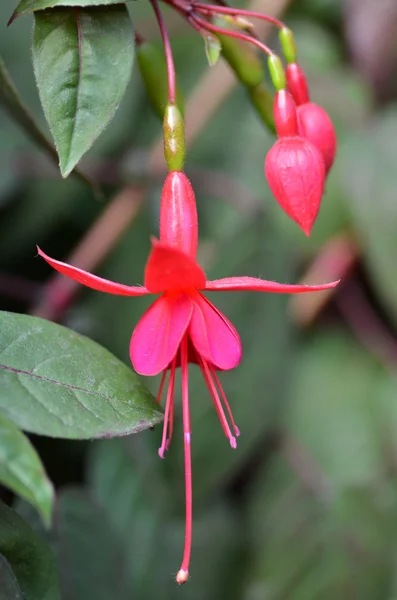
(262, 99)
(314, 122)
(174, 138)
(241, 57)
(294, 167)
(153, 69)
(178, 214)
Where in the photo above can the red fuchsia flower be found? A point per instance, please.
(314, 122)
(182, 325)
(294, 167)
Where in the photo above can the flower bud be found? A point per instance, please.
(297, 84)
(277, 72)
(285, 115)
(174, 138)
(153, 69)
(287, 42)
(314, 122)
(316, 126)
(262, 100)
(178, 214)
(241, 57)
(295, 171)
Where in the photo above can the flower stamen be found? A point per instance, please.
(216, 400)
(169, 411)
(225, 401)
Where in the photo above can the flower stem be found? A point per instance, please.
(200, 24)
(168, 53)
(183, 573)
(208, 9)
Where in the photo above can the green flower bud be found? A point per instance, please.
(241, 57)
(153, 68)
(174, 138)
(277, 72)
(288, 46)
(262, 99)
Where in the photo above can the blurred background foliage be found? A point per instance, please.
(306, 508)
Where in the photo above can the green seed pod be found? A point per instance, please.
(262, 99)
(153, 68)
(241, 57)
(277, 72)
(174, 138)
(288, 46)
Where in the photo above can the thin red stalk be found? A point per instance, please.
(168, 404)
(240, 36)
(183, 573)
(217, 403)
(226, 403)
(171, 420)
(168, 53)
(227, 10)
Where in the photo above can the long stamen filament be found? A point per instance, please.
(217, 403)
(161, 387)
(183, 573)
(171, 419)
(225, 401)
(165, 441)
(168, 53)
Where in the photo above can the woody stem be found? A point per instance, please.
(168, 53)
(183, 573)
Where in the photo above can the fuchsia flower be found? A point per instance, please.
(314, 122)
(294, 167)
(182, 325)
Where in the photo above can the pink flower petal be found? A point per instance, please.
(170, 269)
(213, 336)
(93, 281)
(158, 334)
(252, 284)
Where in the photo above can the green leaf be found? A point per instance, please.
(9, 587)
(88, 550)
(335, 409)
(12, 102)
(58, 383)
(29, 557)
(28, 6)
(21, 469)
(82, 61)
(212, 48)
(371, 187)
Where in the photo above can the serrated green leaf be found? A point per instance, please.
(28, 6)
(58, 383)
(212, 48)
(21, 469)
(29, 557)
(82, 62)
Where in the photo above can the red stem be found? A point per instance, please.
(168, 53)
(227, 10)
(194, 20)
(183, 573)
